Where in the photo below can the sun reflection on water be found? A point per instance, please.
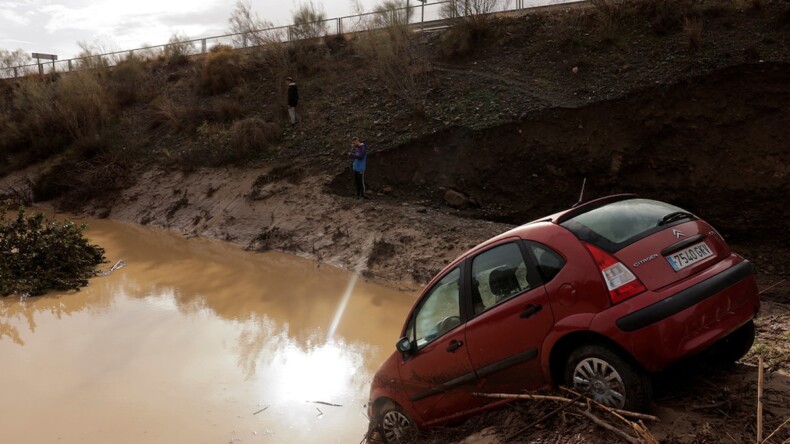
(325, 372)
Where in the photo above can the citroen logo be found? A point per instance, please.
(678, 234)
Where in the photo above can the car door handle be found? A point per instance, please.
(454, 345)
(530, 310)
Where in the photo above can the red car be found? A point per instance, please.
(596, 297)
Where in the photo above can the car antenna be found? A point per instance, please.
(581, 195)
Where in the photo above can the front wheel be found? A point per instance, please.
(394, 425)
(601, 374)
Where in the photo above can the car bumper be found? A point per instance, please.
(659, 328)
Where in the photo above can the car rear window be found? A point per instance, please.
(616, 225)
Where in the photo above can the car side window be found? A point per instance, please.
(549, 262)
(439, 312)
(499, 274)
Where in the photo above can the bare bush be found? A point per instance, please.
(91, 56)
(178, 49)
(221, 70)
(12, 59)
(470, 13)
(252, 135)
(308, 22)
(126, 80)
(397, 62)
(392, 13)
(247, 26)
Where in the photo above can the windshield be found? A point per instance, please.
(613, 226)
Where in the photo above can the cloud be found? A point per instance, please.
(7, 14)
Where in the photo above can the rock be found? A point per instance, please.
(456, 200)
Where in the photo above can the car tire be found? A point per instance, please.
(394, 425)
(606, 377)
(733, 347)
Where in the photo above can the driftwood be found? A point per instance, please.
(643, 434)
(565, 400)
(781, 426)
(607, 426)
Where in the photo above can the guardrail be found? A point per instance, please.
(420, 16)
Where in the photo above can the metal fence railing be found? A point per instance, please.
(419, 15)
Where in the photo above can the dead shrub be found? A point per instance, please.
(82, 103)
(392, 13)
(610, 14)
(666, 16)
(308, 22)
(221, 70)
(469, 23)
(252, 135)
(397, 62)
(692, 29)
(225, 110)
(126, 80)
(165, 111)
(178, 49)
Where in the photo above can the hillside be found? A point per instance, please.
(472, 130)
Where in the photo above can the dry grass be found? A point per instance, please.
(397, 62)
(692, 29)
(252, 135)
(178, 49)
(126, 81)
(221, 70)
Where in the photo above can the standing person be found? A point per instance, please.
(359, 153)
(293, 99)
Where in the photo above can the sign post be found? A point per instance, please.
(39, 57)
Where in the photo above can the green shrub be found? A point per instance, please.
(38, 254)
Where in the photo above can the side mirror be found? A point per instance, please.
(404, 345)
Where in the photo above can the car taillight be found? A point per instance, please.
(622, 284)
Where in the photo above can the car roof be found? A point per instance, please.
(534, 228)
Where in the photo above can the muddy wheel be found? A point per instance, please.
(394, 425)
(604, 376)
(733, 347)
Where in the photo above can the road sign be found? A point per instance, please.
(44, 56)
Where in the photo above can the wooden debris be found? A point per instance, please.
(759, 399)
(259, 411)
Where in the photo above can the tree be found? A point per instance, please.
(11, 59)
(392, 13)
(247, 26)
(308, 22)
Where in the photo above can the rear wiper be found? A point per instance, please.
(677, 215)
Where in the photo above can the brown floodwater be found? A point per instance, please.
(195, 341)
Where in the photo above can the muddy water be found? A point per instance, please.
(195, 341)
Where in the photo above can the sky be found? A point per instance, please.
(56, 26)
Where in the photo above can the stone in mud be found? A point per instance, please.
(456, 199)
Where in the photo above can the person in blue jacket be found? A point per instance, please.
(359, 153)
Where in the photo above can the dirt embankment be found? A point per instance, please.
(510, 137)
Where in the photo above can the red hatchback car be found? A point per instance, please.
(596, 297)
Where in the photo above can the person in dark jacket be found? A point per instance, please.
(293, 99)
(359, 153)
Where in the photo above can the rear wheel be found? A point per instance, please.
(394, 425)
(601, 374)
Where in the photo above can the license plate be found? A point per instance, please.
(690, 256)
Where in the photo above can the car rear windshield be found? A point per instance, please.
(616, 225)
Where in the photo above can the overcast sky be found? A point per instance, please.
(55, 26)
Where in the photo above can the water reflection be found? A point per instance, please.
(191, 339)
